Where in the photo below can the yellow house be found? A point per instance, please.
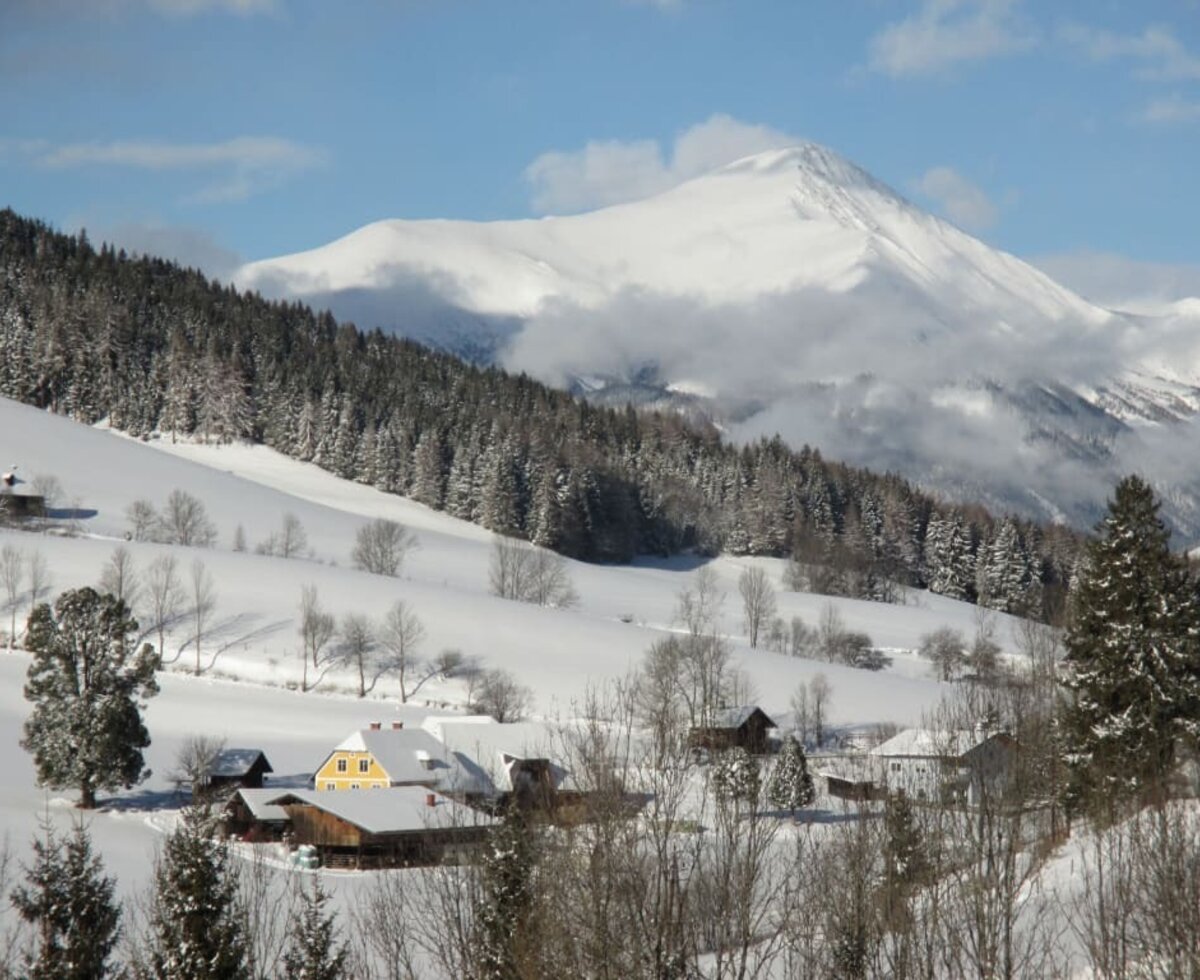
(378, 757)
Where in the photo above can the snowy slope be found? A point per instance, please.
(799, 295)
(559, 654)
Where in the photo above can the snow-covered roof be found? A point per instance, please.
(407, 755)
(231, 763)
(488, 751)
(932, 743)
(388, 810)
(258, 802)
(737, 716)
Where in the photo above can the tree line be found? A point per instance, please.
(155, 348)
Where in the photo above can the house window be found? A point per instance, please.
(341, 765)
(354, 785)
(331, 785)
(895, 767)
(364, 765)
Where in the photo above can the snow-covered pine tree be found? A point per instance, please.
(1133, 653)
(196, 929)
(505, 898)
(69, 901)
(735, 776)
(85, 679)
(315, 952)
(791, 785)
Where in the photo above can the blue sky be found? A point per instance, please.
(218, 130)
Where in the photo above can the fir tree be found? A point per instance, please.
(197, 930)
(69, 900)
(315, 952)
(506, 898)
(1133, 655)
(736, 777)
(791, 785)
(86, 728)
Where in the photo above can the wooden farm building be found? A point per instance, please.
(744, 726)
(252, 815)
(378, 757)
(21, 506)
(238, 767)
(389, 827)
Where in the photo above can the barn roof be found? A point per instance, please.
(231, 763)
(934, 743)
(487, 751)
(258, 802)
(738, 715)
(390, 810)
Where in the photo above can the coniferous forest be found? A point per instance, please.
(93, 334)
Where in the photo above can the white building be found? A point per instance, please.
(952, 766)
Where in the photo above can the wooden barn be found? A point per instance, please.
(251, 816)
(387, 827)
(237, 767)
(744, 726)
(21, 506)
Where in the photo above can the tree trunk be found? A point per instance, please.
(87, 796)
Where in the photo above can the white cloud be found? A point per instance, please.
(943, 33)
(1174, 109)
(191, 247)
(1119, 282)
(245, 165)
(1161, 54)
(961, 201)
(614, 171)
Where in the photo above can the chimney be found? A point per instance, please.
(397, 725)
(430, 799)
(375, 726)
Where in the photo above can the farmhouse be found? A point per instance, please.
(378, 757)
(505, 762)
(959, 766)
(744, 726)
(398, 826)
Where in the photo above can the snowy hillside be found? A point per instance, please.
(791, 292)
(558, 653)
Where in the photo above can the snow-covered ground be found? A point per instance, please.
(245, 700)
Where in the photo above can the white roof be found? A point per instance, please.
(407, 755)
(258, 802)
(388, 810)
(932, 743)
(487, 751)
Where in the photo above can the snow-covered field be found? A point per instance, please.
(246, 700)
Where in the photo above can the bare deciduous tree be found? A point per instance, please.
(945, 648)
(357, 647)
(518, 570)
(289, 541)
(39, 578)
(119, 577)
(499, 694)
(316, 630)
(164, 599)
(758, 601)
(381, 546)
(202, 595)
(12, 578)
(194, 762)
(819, 693)
(143, 520)
(184, 520)
(400, 636)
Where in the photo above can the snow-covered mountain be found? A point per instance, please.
(793, 292)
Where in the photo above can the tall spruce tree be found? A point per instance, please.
(315, 952)
(69, 901)
(197, 929)
(1133, 653)
(791, 785)
(86, 728)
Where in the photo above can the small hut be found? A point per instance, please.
(744, 726)
(246, 768)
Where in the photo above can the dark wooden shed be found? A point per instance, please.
(238, 767)
(744, 726)
(21, 506)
